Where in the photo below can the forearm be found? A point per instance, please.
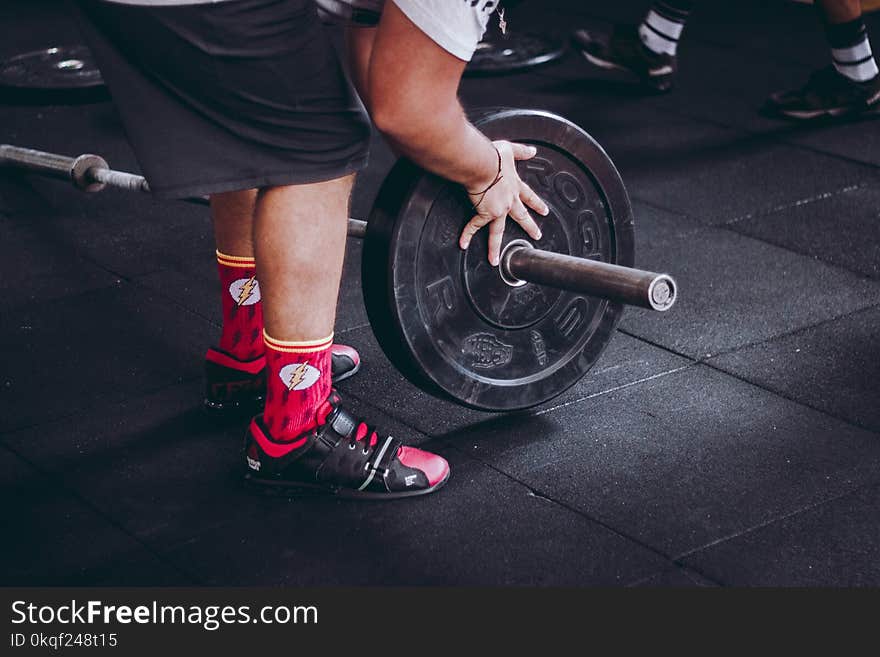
(441, 140)
(412, 96)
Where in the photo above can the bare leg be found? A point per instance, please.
(233, 217)
(840, 11)
(299, 235)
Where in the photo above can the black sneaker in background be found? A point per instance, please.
(623, 50)
(827, 94)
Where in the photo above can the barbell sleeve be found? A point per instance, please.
(634, 287)
(119, 179)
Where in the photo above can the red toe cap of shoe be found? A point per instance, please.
(345, 350)
(435, 467)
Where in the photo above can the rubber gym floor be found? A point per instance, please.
(734, 441)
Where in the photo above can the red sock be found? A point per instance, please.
(242, 335)
(297, 385)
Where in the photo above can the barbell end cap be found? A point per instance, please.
(80, 172)
(662, 293)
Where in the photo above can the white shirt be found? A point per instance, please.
(455, 25)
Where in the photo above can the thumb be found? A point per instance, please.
(523, 151)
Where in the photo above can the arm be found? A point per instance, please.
(411, 91)
(413, 100)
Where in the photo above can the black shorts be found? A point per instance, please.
(228, 96)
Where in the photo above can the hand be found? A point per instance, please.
(509, 196)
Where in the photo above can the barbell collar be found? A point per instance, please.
(635, 287)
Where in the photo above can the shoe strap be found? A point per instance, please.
(342, 426)
(339, 425)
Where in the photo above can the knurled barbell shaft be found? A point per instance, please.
(50, 164)
(623, 284)
(91, 173)
(633, 287)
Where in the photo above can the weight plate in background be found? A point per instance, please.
(445, 317)
(514, 52)
(52, 69)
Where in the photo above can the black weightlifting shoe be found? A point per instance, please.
(236, 386)
(623, 50)
(344, 362)
(827, 94)
(233, 385)
(342, 456)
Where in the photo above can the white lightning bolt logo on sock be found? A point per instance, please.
(299, 376)
(245, 291)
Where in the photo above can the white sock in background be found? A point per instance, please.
(662, 27)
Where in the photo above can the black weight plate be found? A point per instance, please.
(446, 319)
(514, 52)
(64, 67)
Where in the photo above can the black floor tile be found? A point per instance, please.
(832, 544)
(730, 87)
(60, 358)
(705, 171)
(128, 234)
(857, 139)
(158, 464)
(716, 176)
(735, 290)
(154, 465)
(70, 130)
(40, 269)
(479, 530)
(681, 460)
(625, 361)
(754, 487)
(833, 367)
(714, 83)
(841, 229)
(763, 31)
(52, 539)
(675, 577)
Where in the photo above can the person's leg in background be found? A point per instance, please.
(851, 84)
(235, 369)
(648, 51)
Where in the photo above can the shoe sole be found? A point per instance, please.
(285, 488)
(834, 112)
(652, 79)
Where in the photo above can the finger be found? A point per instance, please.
(528, 196)
(476, 222)
(496, 235)
(522, 151)
(519, 214)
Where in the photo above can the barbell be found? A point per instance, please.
(494, 338)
